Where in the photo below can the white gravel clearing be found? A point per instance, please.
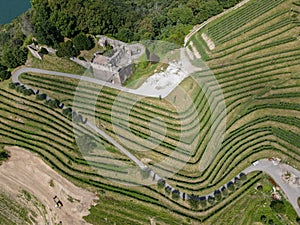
(163, 83)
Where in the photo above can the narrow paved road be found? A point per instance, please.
(18, 72)
(292, 192)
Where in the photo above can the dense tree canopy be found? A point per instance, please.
(13, 52)
(128, 20)
(82, 42)
(67, 49)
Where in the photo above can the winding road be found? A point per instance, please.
(292, 192)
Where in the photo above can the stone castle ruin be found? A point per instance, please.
(117, 67)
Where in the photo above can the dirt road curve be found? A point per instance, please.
(25, 171)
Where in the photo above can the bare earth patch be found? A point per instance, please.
(209, 42)
(195, 51)
(26, 171)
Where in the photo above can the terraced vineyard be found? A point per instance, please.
(256, 64)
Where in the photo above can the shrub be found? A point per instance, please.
(28, 92)
(211, 200)
(66, 49)
(230, 186)
(82, 42)
(243, 177)
(277, 206)
(218, 195)
(4, 75)
(203, 201)
(237, 182)
(161, 183)
(175, 194)
(193, 201)
(67, 112)
(168, 190)
(3, 155)
(41, 97)
(224, 191)
(12, 85)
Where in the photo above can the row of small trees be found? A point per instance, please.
(21, 89)
(74, 116)
(219, 194)
(195, 200)
(52, 103)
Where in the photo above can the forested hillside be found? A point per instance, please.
(126, 20)
(130, 20)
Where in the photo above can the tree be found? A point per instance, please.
(14, 55)
(237, 182)
(28, 92)
(66, 49)
(175, 194)
(44, 30)
(4, 75)
(218, 195)
(20, 88)
(203, 202)
(183, 15)
(161, 183)
(124, 34)
(12, 85)
(41, 97)
(194, 201)
(168, 190)
(230, 186)
(3, 68)
(211, 200)
(224, 191)
(227, 3)
(277, 206)
(243, 177)
(82, 42)
(67, 112)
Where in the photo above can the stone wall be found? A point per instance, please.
(125, 72)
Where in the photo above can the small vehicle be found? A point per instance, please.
(58, 203)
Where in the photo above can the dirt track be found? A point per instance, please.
(25, 171)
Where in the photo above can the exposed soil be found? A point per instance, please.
(209, 42)
(26, 171)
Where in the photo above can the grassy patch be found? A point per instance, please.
(142, 72)
(54, 63)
